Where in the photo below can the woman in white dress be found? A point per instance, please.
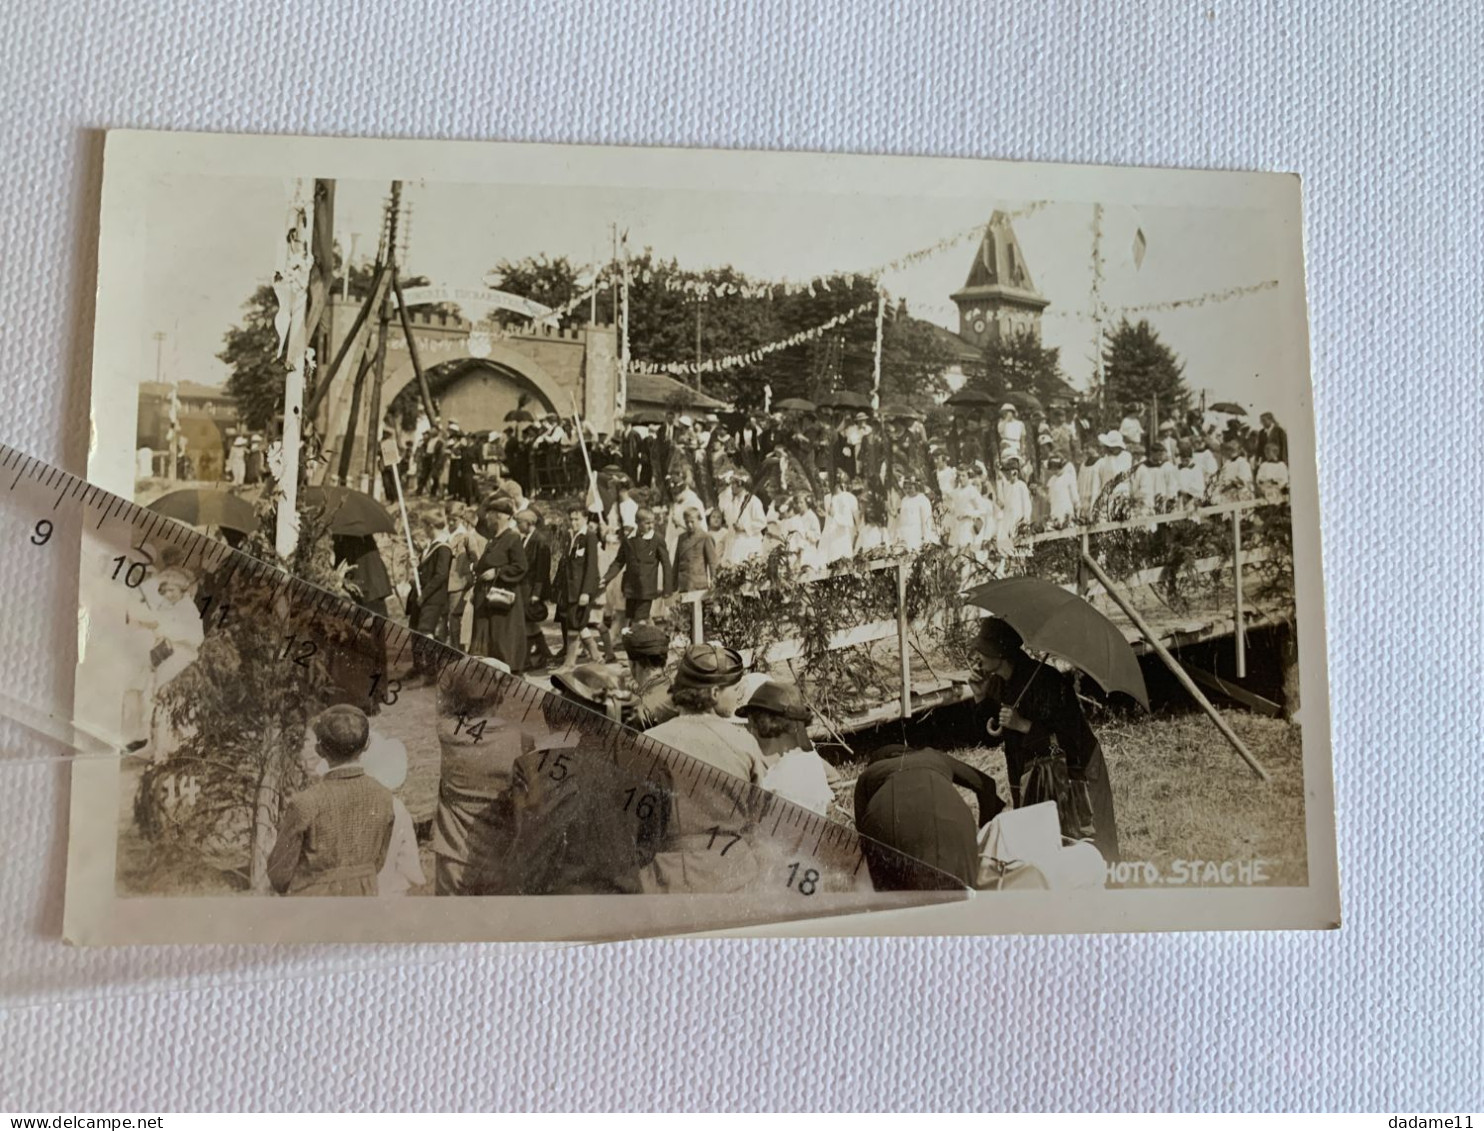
(808, 534)
(841, 521)
(744, 514)
(176, 624)
(872, 532)
(914, 526)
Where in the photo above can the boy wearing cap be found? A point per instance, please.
(333, 836)
(648, 648)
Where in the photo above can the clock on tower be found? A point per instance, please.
(998, 299)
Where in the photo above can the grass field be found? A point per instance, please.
(1181, 793)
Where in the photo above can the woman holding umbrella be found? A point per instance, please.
(1033, 708)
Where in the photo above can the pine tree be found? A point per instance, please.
(1020, 364)
(1138, 367)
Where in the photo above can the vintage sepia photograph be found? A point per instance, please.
(965, 512)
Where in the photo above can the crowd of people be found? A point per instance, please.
(529, 805)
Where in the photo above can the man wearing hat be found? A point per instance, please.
(778, 719)
(648, 649)
(1033, 709)
(333, 836)
(708, 845)
(1113, 468)
(500, 591)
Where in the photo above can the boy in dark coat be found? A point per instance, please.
(645, 565)
(578, 583)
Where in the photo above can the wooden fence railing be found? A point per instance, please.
(1086, 585)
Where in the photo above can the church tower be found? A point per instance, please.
(998, 300)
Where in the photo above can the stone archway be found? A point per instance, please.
(518, 369)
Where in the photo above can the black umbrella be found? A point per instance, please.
(347, 511)
(1231, 408)
(970, 398)
(794, 404)
(900, 412)
(207, 506)
(845, 398)
(519, 416)
(645, 416)
(1050, 619)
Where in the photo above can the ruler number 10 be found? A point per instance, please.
(133, 572)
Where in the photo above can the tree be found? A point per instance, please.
(1020, 364)
(251, 352)
(1137, 367)
(551, 282)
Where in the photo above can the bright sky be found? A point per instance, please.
(212, 240)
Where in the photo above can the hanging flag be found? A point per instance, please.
(1140, 245)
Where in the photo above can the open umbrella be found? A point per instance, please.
(347, 511)
(794, 404)
(519, 416)
(1025, 402)
(207, 506)
(1231, 408)
(900, 412)
(1050, 619)
(645, 416)
(845, 398)
(970, 398)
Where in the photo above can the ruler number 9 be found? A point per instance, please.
(42, 534)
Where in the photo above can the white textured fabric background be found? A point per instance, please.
(1380, 107)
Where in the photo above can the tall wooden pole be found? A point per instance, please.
(1238, 613)
(1170, 662)
(347, 440)
(904, 659)
(417, 365)
(384, 320)
(623, 336)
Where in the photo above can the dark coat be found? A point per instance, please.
(1048, 699)
(572, 836)
(367, 571)
(645, 565)
(577, 571)
(538, 566)
(501, 633)
(427, 613)
(908, 802)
